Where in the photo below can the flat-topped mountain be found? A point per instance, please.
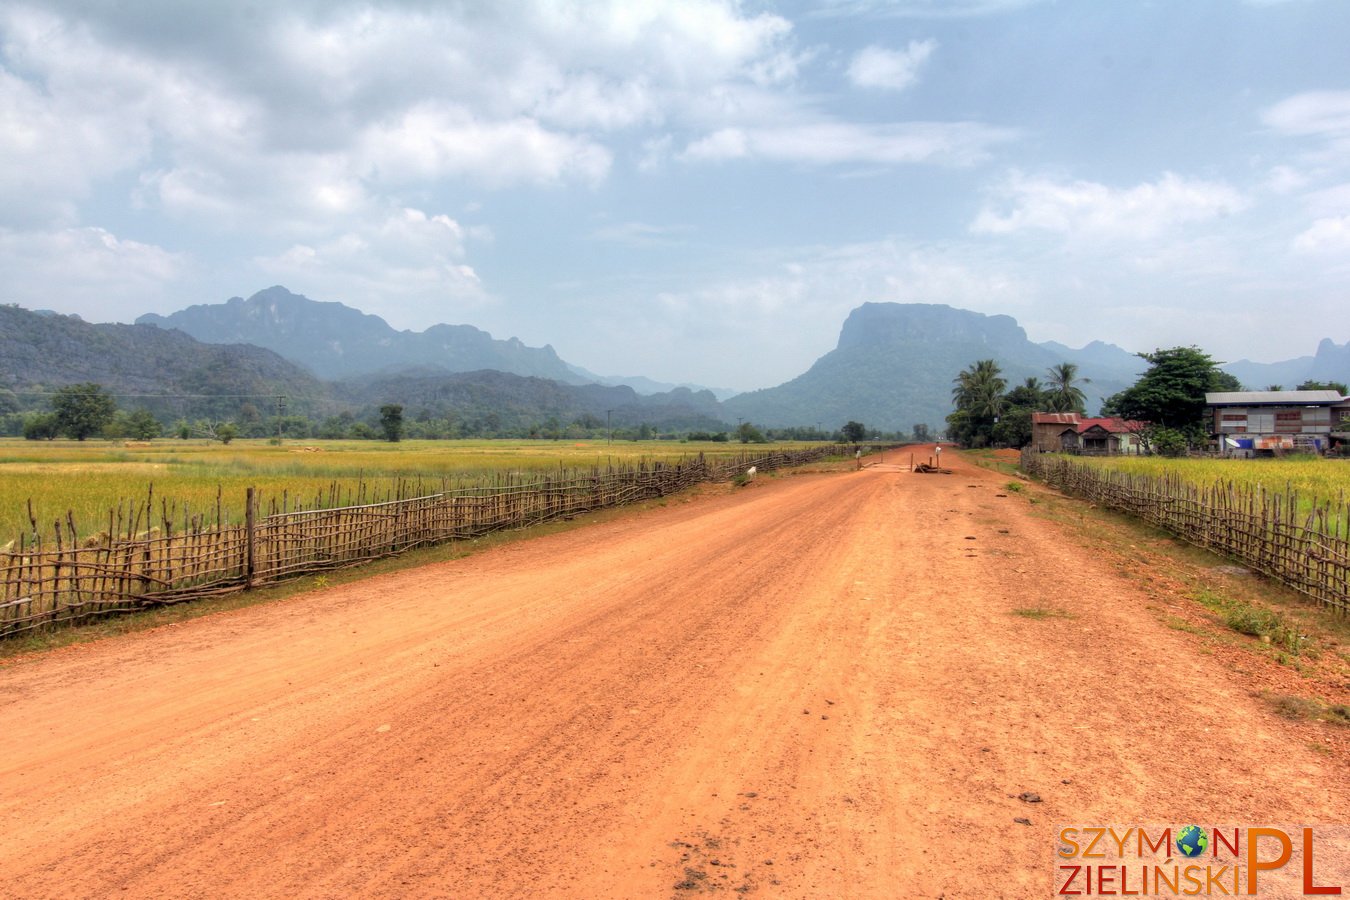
(894, 364)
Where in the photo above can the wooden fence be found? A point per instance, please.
(1307, 550)
(69, 580)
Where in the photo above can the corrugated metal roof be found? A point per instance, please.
(1080, 424)
(1113, 425)
(1273, 398)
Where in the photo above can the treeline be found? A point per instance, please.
(1167, 401)
(89, 410)
(989, 414)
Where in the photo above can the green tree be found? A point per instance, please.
(1013, 428)
(747, 433)
(335, 428)
(1029, 395)
(41, 427)
(853, 432)
(391, 422)
(978, 397)
(1063, 393)
(1337, 386)
(226, 432)
(142, 426)
(1225, 381)
(1170, 398)
(82, 409)
(1171, 393)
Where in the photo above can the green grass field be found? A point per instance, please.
(88, 480)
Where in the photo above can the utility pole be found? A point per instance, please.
(608, 429)
(281, 410)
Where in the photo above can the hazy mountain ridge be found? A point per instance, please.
(894, 364)
(515, 401)
(335, 341)
(42, 351)
(174, 375)
(645, 385)
(892, 368)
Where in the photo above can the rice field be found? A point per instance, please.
(1315, 481)
(86, 482)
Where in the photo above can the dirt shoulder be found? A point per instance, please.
(817, 684)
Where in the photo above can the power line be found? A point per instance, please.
(163, 396)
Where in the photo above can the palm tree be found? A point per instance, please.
(979, 400)
(1030, 395)
(979, 385)
(1063, 394)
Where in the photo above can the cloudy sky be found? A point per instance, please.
(693, 190)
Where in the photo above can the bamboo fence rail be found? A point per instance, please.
(1264, 530)
(153, 553)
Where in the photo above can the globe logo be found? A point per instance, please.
(1192, 841)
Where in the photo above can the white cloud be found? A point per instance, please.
(1314, 112)
(58, 140)
(505, 96)
(826, 143)
(408, 264)
(923, 9)
(1325, 236)
(433, 141)
(640, 234)
(1286, 179)
(1331, 200)
(589, 101)
(1090, 209)
(895, 70)
(88, 270)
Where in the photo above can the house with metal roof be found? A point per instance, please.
(1072, 433)
(1247, 423)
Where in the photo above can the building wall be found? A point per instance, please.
(1270, 420)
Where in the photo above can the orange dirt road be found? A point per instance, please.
(812, 686)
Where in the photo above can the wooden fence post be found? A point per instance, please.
(248, 539)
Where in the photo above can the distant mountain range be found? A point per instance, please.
(176, 376)
(894, 363)
(166, 372)
(1332, 363)
(334, 341)
(891, 369)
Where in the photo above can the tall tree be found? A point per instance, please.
(1063, 393)
(978, 397)
(391, 421)
(82, 409)
(1014, 425)
(1170, 395)
(1030, 394)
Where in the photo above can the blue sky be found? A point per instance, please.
(693, 190)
